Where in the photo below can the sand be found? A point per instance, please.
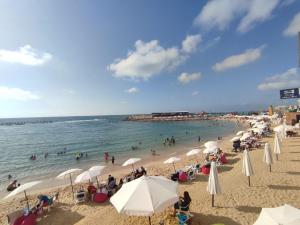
(238, 204)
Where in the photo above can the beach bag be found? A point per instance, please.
(183, 177)
(100, 197)
(205, 170)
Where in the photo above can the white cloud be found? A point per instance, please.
(132, 90)
(190, 43)
(18, 94)
(294, 26)
(194, 93)
(288, 79)
(250, 55)
(185, 78)
(149, 58)
(259, 11)
(25, 55)
(220, 13)
(287, 2)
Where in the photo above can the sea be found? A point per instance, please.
(93, 136)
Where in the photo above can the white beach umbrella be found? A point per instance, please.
(241, 132)
(210, 150)
(69, 174)
(213, 186)
(192, 152)
(211, 144)
(96, 171)
(23, 188)
(245, 136)
(172, 160)
(247, 166)
(83, 177)
(235, 139)
(267, 155)
(145, 196)
(277, 146)
(131, 162)
(283, 215)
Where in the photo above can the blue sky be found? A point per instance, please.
(60, 58)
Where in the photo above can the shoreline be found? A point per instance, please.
(147, 160)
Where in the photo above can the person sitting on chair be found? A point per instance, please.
(42, 201)
(183, 203)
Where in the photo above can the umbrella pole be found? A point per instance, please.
(270, 169)
(72, 186)
(276, 157)
(174, 167)
(97, 182)
(212, 200)
(249, 181)
(149, 220)
(26, 200)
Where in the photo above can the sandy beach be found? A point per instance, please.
(238, 204)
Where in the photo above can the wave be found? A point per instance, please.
(80, 121)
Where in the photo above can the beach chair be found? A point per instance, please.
(191, 175)
(184, 218)
(80, 196)
(51, 202)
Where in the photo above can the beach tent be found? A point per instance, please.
(277, 146)
(267, 155)
(213, 186)
(172, 160)
(145, 196)
(211, 144)
(69, 174)
(247, 166)
(241, 132)
(235, 139)
(96, 171)
(131, 162)
(283, 215)
(23, 188)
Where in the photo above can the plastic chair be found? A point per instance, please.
(184, 218)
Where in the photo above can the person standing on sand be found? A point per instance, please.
(199, 139)
(113, 160)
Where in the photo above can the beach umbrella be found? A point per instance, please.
(131, 162)
(23, 188)
(69, 174)
(172, 160)
(192, 152)
(277, 146)
(96, 171)
(247, 166)
(241, 132)
(83, 177)
(283, 215)
(268, 156)
(235, 139)
(211, 144)
(245, 136)
(213, 186)
(210, 150)
(145, 196)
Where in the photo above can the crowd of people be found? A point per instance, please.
(169, 141)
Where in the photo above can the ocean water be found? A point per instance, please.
(20, 138)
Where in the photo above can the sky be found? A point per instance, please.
(108, 57)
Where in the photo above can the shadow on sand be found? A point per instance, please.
(283, 187)
(224, 168)
(249, 209)
(233, 161)
(293, 173)
(61, 214)
(211, 219)
(295, 160)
